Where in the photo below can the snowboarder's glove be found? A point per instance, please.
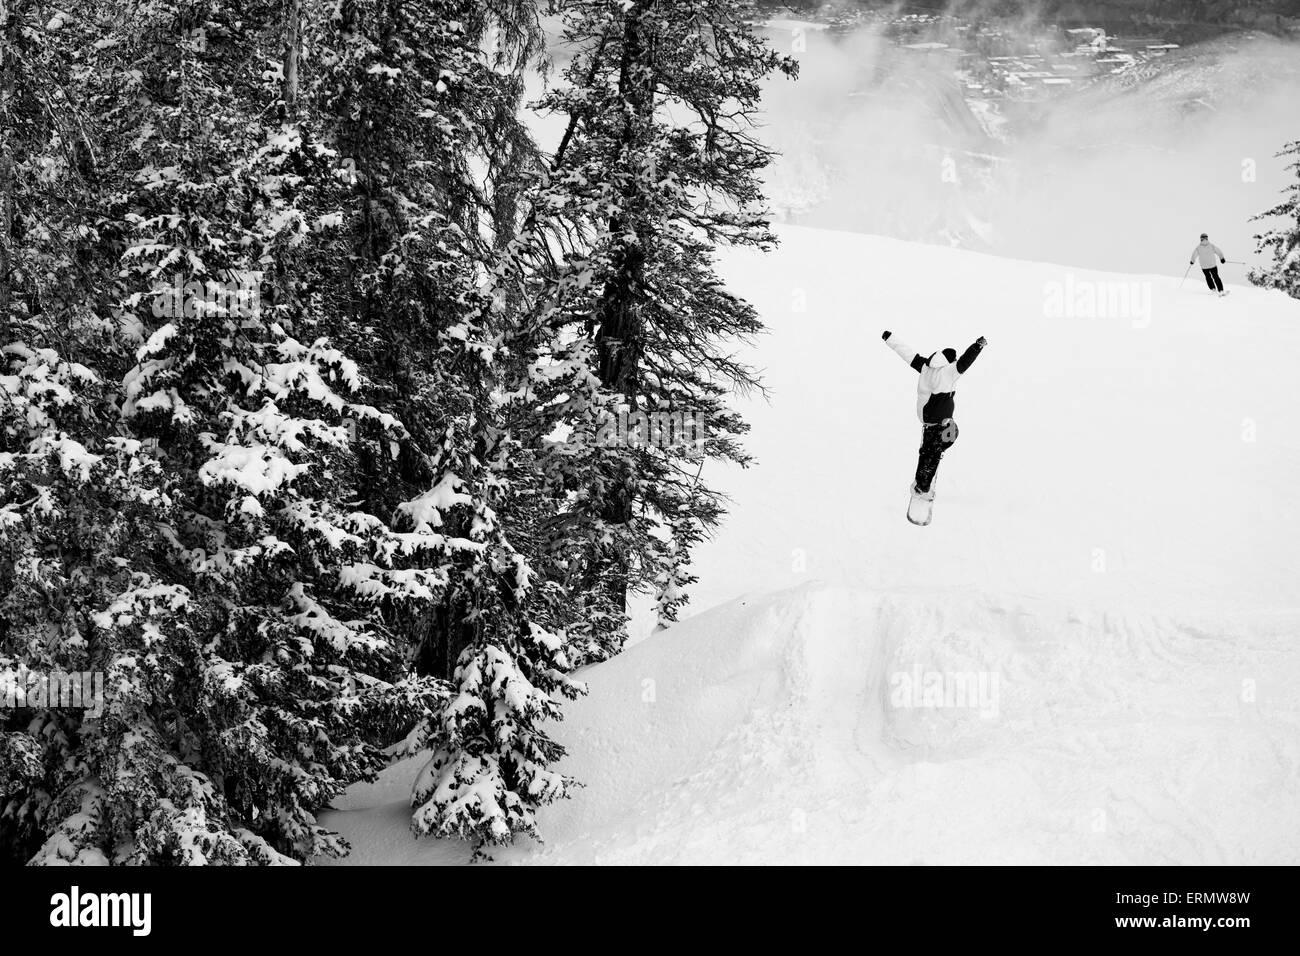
(886, 335)
(981, 341)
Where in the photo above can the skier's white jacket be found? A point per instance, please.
(1209, 254)
(939, 374)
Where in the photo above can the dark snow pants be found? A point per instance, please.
(1212, 279)
(935, 440)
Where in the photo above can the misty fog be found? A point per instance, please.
(1117, 172)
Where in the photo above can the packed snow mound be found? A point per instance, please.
(828, 725)
(1089, 657)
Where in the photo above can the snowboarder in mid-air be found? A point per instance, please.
(1210, 256)
(934, 406)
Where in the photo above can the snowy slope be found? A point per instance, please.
(1113, 564)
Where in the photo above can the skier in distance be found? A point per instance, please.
(1210, 256)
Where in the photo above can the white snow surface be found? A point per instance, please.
(1113, 560)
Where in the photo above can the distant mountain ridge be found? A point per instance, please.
(1275, 16)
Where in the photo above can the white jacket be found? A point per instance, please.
(938, 379)
(1209, 254)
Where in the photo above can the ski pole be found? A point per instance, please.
(1184, 279)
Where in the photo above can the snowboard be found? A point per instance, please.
(921, 507)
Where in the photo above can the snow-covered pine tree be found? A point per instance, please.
(253, 463)
(1282, 241)
(78, 499)
(82, 501)
(197, 538)
(424, 104)
(658, 166)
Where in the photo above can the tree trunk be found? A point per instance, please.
(292, 44)
(7, 37)
(619, 341)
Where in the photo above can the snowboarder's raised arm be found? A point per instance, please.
(904, 351)
(971, 354)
